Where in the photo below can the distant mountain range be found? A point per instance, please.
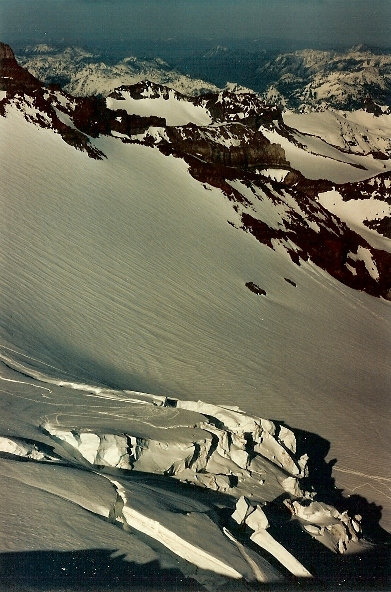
(83, 73)
(303, 80)
(310, 79)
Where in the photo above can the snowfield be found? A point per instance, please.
(99, 273)
(175, 111)
(357, 131)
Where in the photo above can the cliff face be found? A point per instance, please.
(13, 76)
(232, 145)
(6, 52)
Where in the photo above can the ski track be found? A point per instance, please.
(375, 477)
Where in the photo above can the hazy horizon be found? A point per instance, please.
(305, 22)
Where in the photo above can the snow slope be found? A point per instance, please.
(357, 131)
(152, 311)
(95, 285)
(356, 212)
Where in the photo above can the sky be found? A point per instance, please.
(327, 21)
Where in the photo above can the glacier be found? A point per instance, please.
(152, 405)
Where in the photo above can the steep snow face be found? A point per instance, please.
(360, 139)
(176, 111)
(231, 144)
(137, 280)
(355, 212)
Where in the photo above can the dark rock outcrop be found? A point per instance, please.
(232, 145)
(92, 117)
(24, 89)
(255, 289)
(6, 52)
(12, 76)
(326, 241)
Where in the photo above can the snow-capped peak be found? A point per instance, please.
(82, 73)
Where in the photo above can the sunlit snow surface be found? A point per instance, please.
(124, 272)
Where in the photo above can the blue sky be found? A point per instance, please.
(333, 21)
